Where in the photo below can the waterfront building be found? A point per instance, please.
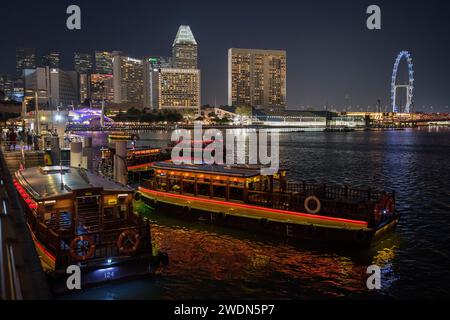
(25, 59)
(103, 62)
(51, 59)
(6, 87)
(101, 88)
(257, 78)
(175, 89)
(307, 120)
(184, 49)
(128, 79)
(60, 86)
(83, 63)
(152, 65)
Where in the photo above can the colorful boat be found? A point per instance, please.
(79, 218)
(242, 197)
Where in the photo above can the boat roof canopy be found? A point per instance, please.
(233, 171)
(45, 182)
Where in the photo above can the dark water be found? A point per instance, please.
(211, 262)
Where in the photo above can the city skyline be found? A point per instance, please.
(331, 54)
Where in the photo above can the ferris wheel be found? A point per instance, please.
(409, 87)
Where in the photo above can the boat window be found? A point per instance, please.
(203, 189)
(236, 193)
(220, 191)
(188, 187)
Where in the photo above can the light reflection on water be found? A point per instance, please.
(212, 262)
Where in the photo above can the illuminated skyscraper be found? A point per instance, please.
(103, 62)
(102, 88)
(176, 89)
(51, 59)
(83, 63)
(257, 78)
(128, 81)
(152, 66)
(25, 59)
(184, 49)
(61, 86)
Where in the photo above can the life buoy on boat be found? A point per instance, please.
(128, 242)
(318, 205)
(82, 248)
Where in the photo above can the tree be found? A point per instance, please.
(244, 111)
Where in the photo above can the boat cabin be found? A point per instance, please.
(77, 216)
(231, 183)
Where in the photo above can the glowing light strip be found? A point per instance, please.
(246, 206)
(41, 247)
(145, 165)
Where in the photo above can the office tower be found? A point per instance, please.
(152, 64)
(83, 63)
(128, 81)
(51, 59)
(175, 89)
(257, 78)
(103, 62)
(25, 59)
(59, 86)
(101, 88)
(184, 49)
(84, 84)
(6, 87)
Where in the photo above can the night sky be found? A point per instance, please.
(330, 51)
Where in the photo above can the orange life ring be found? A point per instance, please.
(128, 242)
(87, 248)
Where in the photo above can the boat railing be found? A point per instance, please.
(106, 244)
(335, 192)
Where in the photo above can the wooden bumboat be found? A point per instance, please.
(79, 218)
(122, 136)
(241, 197)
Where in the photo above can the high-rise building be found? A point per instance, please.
(51, 59)
(257, 78)
(175, 89)
(84, 85)
(6, 87)
(83, 63)
(152, 65)
(103, 62)
(184, 49)
(101, 88)
(60, 87)
(25, 59)
(128, 81)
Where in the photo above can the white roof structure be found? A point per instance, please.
(184, 36)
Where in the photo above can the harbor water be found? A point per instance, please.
(209, 262)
